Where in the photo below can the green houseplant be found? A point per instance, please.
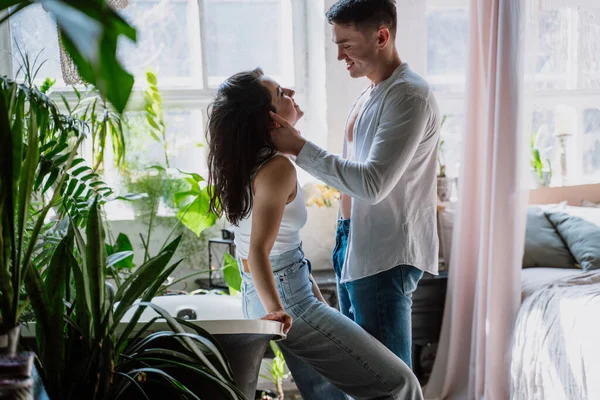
(66, 282)
(444, 184)
(542, 172)
(37, 156)
(115, 362)
(42, 174)
(158, 182)
(277, 371)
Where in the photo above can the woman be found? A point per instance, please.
(256, 189)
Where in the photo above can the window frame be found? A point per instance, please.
(178, 97)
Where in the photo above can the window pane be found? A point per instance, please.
(553, 49)
(591, 142)
(242, 35)
(185, 135)
(590, 49)
(34, 33)
(447, 48)
(168, 40)
(185, 150)
(543, 121)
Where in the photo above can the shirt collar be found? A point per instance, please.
(385, 83)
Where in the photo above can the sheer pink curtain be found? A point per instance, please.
(484, 283)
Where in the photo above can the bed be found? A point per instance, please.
(556, 347)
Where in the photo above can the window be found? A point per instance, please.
(566, 59)
(447, 25)
(192, 46)
(266, 43)
(447, 49)
(168, 41)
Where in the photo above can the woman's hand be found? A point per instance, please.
(287, 139)
(280, 316)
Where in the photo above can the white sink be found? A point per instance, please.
(205, 307)
(217, 314)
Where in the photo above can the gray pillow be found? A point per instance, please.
(543, 245)
(582, 238)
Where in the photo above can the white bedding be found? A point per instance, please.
(556, 351)
(533, 279)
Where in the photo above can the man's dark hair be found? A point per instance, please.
(364, 15)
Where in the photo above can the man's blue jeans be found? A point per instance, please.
(381, 303)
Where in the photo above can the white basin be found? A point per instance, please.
(206, 307)
(243, 341)
(217, 314)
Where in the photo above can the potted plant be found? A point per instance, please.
(276, 374)
(45, 264)
(97, 356)
(444, 184)
(41, 172)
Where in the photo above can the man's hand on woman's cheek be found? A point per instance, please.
(287, 139)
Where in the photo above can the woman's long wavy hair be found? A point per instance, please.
(239, 140)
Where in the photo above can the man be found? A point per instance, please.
(390, 175)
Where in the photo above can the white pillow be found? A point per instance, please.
(587, 203)
(590, 214)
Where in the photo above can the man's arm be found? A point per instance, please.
(402, 128)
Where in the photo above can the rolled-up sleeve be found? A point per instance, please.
(400, 131)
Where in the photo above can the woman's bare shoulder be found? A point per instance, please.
(278, 171)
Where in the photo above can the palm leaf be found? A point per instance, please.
(187, 363)
(134, 286)
(10, 143)
(166, 376)
(25, 190)
(187, 340)
(94, 273)
(148, 295)
(128, 380)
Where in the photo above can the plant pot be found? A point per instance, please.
(14, 365)
(16, 389)
(15, 368)
(9, 341)
(444, 188)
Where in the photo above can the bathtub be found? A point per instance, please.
(243, 341)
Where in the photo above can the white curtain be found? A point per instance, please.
(484, 280)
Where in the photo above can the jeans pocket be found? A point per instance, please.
(248, 289)
(294, 283)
